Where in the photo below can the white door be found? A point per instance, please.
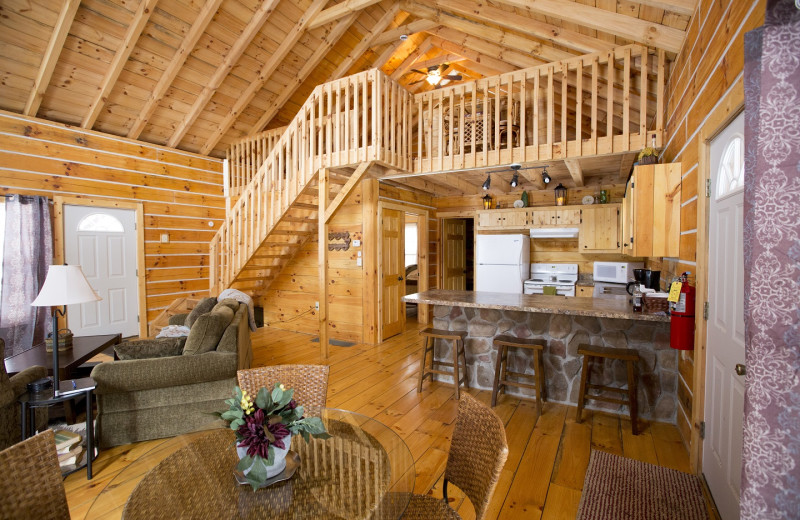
(103, 242)
(724, 396)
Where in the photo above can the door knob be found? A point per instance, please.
(740, 369)
(400, 278)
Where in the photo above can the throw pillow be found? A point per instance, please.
(227, 302)
(207, 331)
(205, 305)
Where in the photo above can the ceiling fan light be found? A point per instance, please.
(434, 78)
(487, 183)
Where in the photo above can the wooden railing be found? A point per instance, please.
(246, 156)
(364, 117)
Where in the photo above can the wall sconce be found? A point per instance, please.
(561, 195)
(487, 201)
(487, 183)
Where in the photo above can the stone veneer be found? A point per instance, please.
(657, 370)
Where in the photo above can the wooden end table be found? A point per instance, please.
(83, 349)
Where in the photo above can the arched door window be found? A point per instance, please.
(730, 176)
(100, 222)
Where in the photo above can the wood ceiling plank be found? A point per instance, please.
(391, 15)
(339, 10)
(51, 55)
(517, 59)
(575, 171)
(178, 60)
(482, 63)
(407, 29)
(387, 53)
(648, 33)
(242, 42)
(424, 47)
(267, 70)
(135, 29)
(684, 7)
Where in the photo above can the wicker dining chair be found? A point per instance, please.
(31, 480)
(310, 383)
(478, 452)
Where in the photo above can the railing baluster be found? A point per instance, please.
(610, 100)
(626, 107)
(595, 72)
(643, 101)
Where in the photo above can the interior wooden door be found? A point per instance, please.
(454, 252)
(393, 315)
(724, 392)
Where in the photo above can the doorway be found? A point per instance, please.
(725, 354)
(458, 254)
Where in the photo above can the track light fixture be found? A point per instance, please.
(545, 177)
(487, 183)
(515, 180)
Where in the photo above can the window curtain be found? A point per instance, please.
(771, 450)
(27, 254)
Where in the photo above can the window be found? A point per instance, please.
(411, 243)
(100, 222)
(730, 177)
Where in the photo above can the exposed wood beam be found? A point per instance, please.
(461, 184)
(166, 79)
(120, 58)
(545, 31)
(339, 10)
(424, 47)
(518, 59)
(641, 31)
(482, 63)
(407, 29)
(238, 48)
(50, 57)
(311, 63)
(426, 184)
(386, 55)
(390, 16)
(533, 178)
(684, 7)
(351, 183)
(575, 171)
(492, 34)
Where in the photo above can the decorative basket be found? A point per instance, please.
(652, 304)
(648, 159)
(64, 340)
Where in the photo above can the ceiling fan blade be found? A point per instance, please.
(453, 77)
(443, 67)
(419, 72)
(415, 82)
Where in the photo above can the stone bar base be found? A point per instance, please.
(657, 370)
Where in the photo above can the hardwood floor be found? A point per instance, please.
(548, 454)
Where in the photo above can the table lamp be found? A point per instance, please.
(64, 285)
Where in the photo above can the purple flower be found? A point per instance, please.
(259, 432)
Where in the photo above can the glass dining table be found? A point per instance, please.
(364, 470)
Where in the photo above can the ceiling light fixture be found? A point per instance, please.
(403, 37)
(434, 77)
(515, 180)
(545, 177)
(487, 183)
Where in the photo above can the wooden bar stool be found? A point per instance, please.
(631, 357)
(501, 372)
(457, 338)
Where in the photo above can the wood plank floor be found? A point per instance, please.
(548, 454)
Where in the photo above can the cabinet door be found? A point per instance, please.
(517, 219)
(599, 230)
(490, 219)
(543, 218)
(626, 220)
(568, 217)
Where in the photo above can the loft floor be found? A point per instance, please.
(548, 454)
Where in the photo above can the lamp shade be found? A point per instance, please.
(65, 285)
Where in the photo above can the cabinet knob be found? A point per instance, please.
(740, 369)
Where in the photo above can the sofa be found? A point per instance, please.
(11, 388)
(169, 386)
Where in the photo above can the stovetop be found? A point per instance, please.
(553, 274)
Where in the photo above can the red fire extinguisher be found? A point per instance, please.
(681, 329)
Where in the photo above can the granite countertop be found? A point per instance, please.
(606, 307)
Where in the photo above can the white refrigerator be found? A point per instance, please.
(502, 262)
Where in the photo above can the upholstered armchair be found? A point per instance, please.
(170, 386)
(11, 388)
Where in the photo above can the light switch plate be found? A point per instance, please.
(356, 243)
(358, 262)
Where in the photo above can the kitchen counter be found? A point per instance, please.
(615, 307)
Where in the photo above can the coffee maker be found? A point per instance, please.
(645, 278)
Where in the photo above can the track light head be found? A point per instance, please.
(515, 180)
(545, 177)
(487, 183)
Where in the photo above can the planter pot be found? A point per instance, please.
(278, 465)
(648, 159)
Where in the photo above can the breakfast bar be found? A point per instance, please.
(561, 323)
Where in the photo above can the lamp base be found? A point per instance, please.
(40, 385)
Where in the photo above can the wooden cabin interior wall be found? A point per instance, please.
(181, 193)
(706, 72)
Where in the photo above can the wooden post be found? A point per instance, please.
(324, 178)
(369, 196)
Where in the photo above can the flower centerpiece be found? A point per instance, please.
(264, 430)
(648, 155)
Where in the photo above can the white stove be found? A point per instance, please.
(561, 276)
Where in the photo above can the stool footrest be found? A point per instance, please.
(607, 399)
(506, 382)
(609, 388)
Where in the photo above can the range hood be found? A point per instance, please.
(554, 232)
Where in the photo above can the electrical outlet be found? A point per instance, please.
(316, 305)
(165, 238)
(356, 243)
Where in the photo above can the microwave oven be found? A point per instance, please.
(615, 272)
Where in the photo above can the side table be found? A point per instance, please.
(68, 390)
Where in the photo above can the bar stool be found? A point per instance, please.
(631, 357)
(458, 348)
(501, 372)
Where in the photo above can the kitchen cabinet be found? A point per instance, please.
(526, 218)
(503, 219)
(599, 229)
(651, 211)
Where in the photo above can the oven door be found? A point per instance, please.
(561, 290)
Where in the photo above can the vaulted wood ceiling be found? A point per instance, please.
(199, 74)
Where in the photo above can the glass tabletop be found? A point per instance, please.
(365, 470)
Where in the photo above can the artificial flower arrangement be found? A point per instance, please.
(648, 155)
(264, 429)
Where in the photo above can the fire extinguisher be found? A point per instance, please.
(681, 329)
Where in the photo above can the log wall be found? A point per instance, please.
(706, 69)
(181, 193)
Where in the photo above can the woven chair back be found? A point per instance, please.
(30, 479)
(310, 383)
(478, 452)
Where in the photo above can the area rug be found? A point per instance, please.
(620, 488)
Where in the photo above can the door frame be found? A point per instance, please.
(422, 257)
(60, 201)
(730, 106)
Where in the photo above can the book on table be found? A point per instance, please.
(65, 439)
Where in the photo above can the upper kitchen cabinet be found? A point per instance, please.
(599, 229)
(651, 211)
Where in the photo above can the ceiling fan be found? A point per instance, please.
(434, 75)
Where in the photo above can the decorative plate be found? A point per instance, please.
(292, 463)
(588, 200)
(519, 204)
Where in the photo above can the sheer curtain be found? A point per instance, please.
(27, 254)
